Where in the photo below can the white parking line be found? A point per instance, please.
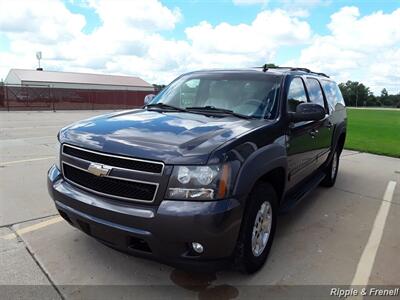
(367, 259)
(25, 160)
(31, 127)
(28, 138)
(32, 228)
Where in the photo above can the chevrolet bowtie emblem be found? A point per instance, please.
(99, 169)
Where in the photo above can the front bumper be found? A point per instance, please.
(163, 232)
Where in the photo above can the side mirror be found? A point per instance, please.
(148, 98)
(308, 112)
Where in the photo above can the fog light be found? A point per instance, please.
(197, 247)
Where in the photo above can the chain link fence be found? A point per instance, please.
(21, 97)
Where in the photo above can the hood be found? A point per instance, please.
(171, 137)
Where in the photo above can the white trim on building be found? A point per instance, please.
(72, 80)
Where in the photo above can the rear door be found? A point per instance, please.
(323, 128)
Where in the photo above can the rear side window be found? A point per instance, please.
(332, 93)
(315, 92)
(296, 94)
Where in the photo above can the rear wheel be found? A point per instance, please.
(258, 229)
(331, 171)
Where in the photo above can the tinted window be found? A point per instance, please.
(315, 92)
(333, 94)
(296, 94)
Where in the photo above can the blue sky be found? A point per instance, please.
(215, 12)
(226, 11)
(157, 40)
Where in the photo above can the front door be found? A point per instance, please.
(301, 137)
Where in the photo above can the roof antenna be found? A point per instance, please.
(265, 68)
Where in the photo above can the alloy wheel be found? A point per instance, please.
(261, 229)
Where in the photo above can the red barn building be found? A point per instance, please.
(33, 89)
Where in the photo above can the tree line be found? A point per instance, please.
(357, 94)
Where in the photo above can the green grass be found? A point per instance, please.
(374, 131)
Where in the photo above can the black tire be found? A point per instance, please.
(330, 171)
(245, 259)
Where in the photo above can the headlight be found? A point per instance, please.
(57, 152)
(200, 182)
(203, 175)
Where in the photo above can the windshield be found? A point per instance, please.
(252, 95)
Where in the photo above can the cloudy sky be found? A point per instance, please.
(158, 40)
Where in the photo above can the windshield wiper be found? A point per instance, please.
(198, 109)
(164, 106)
(212, 109)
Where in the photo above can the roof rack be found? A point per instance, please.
(265, 68)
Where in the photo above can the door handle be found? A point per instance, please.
(313, 132)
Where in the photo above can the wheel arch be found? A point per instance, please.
(276, 177)
(338, 140)
(341, 141)
(267, 164)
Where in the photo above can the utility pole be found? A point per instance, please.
(39, 57)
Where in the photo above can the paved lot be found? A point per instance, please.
(331, 238)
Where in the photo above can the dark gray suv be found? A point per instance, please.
(196, 178)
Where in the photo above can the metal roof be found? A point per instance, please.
(76, 78)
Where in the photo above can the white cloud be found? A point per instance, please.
(36, 25)
(130, 40)
(127, 27)
(358, 48)
(34, 21)
(149, 15)
(268, 31)
(385, 72)
(369, 33)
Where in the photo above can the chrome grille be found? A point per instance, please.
(138, 165)
(122, 183)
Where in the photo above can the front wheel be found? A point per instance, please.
(331, 171)
(258, 229)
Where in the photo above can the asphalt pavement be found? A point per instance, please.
(348, 234)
